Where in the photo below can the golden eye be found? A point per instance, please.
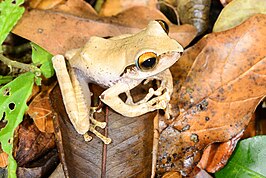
(147, 61)
(163, 25)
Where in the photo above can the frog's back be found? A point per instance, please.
(104, 60)
(99, 61)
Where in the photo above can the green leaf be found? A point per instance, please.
(248, 160)
(238, 11)
(43, 58)
(10, 13)
(13, 97)
(5, 79)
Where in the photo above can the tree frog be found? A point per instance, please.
(119, 64)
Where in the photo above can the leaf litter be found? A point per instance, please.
(218, 96)
(198, 102)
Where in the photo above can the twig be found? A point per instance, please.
(155, 146)
(16, 64)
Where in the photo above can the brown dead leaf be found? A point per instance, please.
(172, 175)
(31, 143)
(35, 91)
(184, 34)
(78, 8)
(221, 91)
(3, 159)
(59, 32)
(40, 168)
(40, 110)
(252, 128)
(128, 155)
(45, 4)
(216, 155)
(113, 7)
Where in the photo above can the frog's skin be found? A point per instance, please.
(104, 62)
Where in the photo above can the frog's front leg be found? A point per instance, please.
(165, 87)
(76, 98)
(147, 104)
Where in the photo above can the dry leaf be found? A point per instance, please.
(184, 34)
(216, 155)
(78, 8)
(128, 155)
(3, 159)
(237, 12)
(221, 91)
(113, 7)
(45, 4)
(40, 110)
(40, 168)
(59, 32)
(35, 91)
(31, 143)
(172, 175)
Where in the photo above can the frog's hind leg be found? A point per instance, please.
(80, 122)
(76, 98)
(83, 97)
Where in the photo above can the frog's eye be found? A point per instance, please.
(163, 25)
(147, 61)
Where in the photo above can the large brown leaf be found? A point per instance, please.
(128, 155)
(59, 32)
(221, 91)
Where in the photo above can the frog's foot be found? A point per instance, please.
(164, 89)
(155, 99)
(92, 129)
(98, 123)
(95, 109)
(94, 123)
(87, 137)
(159, 102)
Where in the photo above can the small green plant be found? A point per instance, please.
(14, 95)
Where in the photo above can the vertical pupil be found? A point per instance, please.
(149, 63)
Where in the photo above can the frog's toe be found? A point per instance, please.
(98, 123)
(87, 137)
(105, 139)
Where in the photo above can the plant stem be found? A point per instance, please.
(16, 64)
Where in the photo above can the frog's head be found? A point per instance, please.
(158, 51)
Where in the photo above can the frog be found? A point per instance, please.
(118, 64)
